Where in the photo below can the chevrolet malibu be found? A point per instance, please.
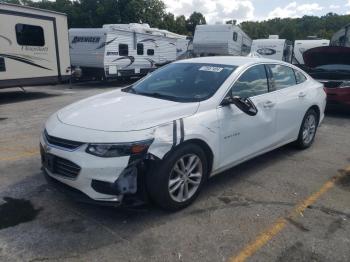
(161, 139)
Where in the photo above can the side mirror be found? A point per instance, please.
(244, 104)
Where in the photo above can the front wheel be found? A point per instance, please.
(176, 182)
(308, 129)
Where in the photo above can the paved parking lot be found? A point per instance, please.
(287, 205)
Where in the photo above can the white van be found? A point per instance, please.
(34, 46)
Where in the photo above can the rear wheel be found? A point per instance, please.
(177, 180)
(308, 129)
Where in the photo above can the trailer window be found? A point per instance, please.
(123, 50)
(140, 49)
(235, 36)
(2, 65)
(30, 35)
(150, 51)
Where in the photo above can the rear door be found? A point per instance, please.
(290, 100)
(243, 136)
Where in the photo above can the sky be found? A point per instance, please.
(241, 10)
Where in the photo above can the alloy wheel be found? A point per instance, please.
(185, 178)
(309, 129)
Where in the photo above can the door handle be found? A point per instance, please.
(269, 104)
(302, 94)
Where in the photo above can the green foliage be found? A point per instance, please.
(95, 13)
(297, 28)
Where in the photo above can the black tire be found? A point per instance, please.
(301, 143)
(159, 175)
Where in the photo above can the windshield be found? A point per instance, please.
(334, 67)
(184, 82)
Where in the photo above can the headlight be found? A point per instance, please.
(345, 84)
(120, 149)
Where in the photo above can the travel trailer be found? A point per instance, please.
(34, 46)
(221, 39)
(121, 50)
(273, 48)
(301, 46)
(341, 37)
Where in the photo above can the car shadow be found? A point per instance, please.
(102, 84)
(214, 187)
(16, 96)
(338, 111)
(71, 224)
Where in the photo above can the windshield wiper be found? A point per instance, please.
(158, 95)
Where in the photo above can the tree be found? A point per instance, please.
(195, 19)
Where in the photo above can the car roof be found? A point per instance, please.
(229, 60)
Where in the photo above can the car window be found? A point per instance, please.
(300, 77)
(282, 76)
(253, 82)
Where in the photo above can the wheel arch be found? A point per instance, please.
(206, 148)
(318, 111)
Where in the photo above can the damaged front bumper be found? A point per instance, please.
(91, 179)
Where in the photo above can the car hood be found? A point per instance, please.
(326, 55)
(121, 111)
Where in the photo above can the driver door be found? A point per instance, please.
(243, 136)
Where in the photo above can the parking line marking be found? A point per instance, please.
(263, 238)
(20, 156)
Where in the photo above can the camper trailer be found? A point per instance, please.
(273, 48)
(220, 39)
(342, 37)
(34, 46)
(300, 46)
(120, 50)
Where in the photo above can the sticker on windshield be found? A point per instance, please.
(211, 69)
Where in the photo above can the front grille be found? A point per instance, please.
(65, 167)
(59, 166)
(60, 142)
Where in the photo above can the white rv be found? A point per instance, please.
(220, 39)
(342, 37)
(273, 48)
(300, 46)
(120, 50)
(34, 46)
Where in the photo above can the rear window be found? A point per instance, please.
(123, 50)
(282, 77)
(30, 35)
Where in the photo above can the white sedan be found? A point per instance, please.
(162, 137)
